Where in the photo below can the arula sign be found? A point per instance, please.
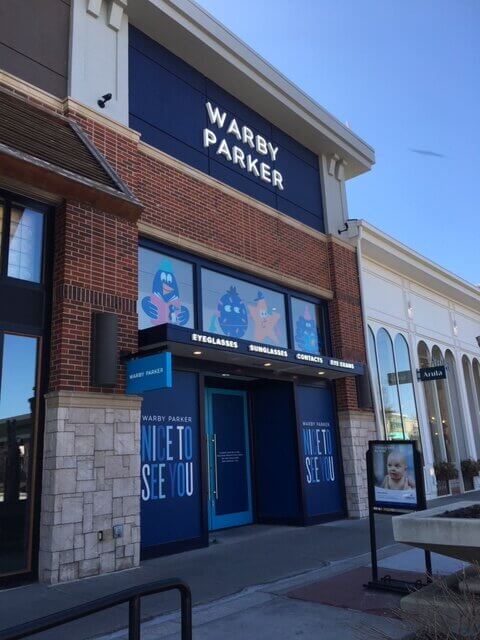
(432, 373)
(235, 154)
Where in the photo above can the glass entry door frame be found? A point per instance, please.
(29, 498)
(29, 318)
(218, 520)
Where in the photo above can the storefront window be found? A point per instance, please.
(388, 386)
(307, 326)
(471, 402)
(405, 389)
(17, 415)
(476, 381)
(25, 244)
(165, 291)
(239, 309)
(372, 352)
(454, 393)
(437, 359)
(434, 419)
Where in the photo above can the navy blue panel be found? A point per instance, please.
(229, 422)
(321, 469)
(276, 462)
(310, 219)
(172, 146)
(168, 107)
(291, 145)
(238, 110)
(170, 468)
(160, 95)
(241, 182)
(300, 180)
(165, 58)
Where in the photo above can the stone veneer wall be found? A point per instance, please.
(91, 482)
(356, 429)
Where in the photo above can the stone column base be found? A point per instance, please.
(356, 429)
(90, 484)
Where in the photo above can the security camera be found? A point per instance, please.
(103, 100)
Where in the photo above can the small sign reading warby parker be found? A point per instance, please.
(149, 373)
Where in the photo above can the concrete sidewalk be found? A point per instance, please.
(330, 603)
(239, 560)
(269, 612)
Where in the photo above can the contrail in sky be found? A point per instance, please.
(426, 152)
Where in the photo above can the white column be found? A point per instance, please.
(99, 56)
(332, 181)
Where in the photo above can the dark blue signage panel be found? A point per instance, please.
(321, 470)
(149, 373)
(170, 463)
(182, 112)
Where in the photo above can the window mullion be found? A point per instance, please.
(5, 238)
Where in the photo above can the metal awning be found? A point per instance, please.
(52, 153)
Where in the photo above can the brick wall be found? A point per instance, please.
(345, 313)
(95, 269)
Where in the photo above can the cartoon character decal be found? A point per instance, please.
(232, 314)
(164, 305)
(265, 320)
(306, 336)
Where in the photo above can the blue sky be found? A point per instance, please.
(405, 75)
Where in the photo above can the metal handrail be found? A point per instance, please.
(131, 595)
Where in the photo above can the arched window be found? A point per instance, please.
(458, 420)
(372, 352)
(476, 382)
(437, 359)
(408, 404)
(434, 419)
(388, 386)
(471, 402)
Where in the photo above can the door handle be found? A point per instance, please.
(207, 440)
(214, 440)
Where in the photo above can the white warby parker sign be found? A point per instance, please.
(235, 154)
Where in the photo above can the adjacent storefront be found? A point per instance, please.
(423, 327)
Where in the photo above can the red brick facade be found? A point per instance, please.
(345, 313)
(95, 269)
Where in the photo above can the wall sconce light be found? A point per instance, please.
(410, 310)
(455, 328)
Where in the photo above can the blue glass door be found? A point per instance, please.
(230, 500)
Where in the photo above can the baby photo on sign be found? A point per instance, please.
(394, 473)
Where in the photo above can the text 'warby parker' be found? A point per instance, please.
(236, 154)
